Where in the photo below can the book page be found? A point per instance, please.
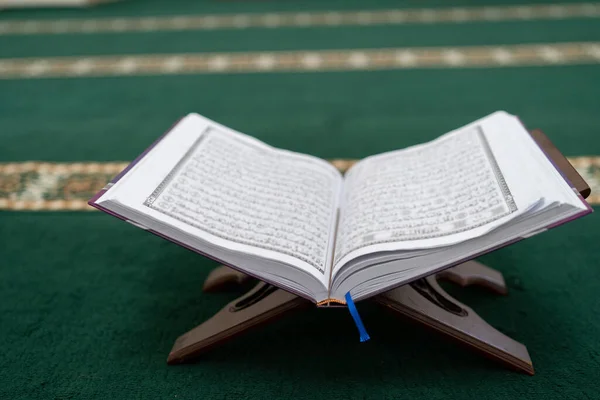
(425, 196)
(238, 191)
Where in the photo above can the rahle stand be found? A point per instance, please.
(422, 300)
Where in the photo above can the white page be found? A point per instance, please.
(238, 193)
(443, 192)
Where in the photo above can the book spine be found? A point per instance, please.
(329, 302)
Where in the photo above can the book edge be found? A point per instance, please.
(92, 201)
(589, 208)
(474, 256)
(185, 246)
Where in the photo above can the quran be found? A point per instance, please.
(296, 222)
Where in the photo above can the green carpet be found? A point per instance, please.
(90, 306)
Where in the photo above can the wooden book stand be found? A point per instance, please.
(422, 300)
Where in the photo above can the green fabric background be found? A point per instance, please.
(90, 306)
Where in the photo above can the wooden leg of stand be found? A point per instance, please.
(222, 277)
(475, 273)
(426, 302)
(262, 304)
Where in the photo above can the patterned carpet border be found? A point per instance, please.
(539, 54)
(456, 15)
(41, 186)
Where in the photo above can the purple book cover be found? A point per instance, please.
(92, 202)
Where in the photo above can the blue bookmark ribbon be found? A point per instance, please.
(364, 336)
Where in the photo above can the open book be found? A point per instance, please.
(295, 221)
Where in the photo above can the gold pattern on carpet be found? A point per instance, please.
(303, 19)
(305, 61)
(39, 186)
